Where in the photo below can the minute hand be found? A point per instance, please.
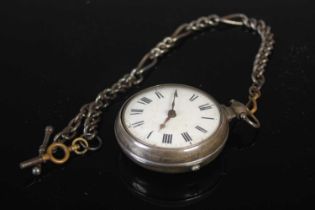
(173, 103)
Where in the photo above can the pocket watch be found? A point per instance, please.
(170, 128)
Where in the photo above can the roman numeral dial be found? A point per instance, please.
(171, 116)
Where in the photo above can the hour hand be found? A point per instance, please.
(164, 123)
(170, 114)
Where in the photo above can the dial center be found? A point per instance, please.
(171, 113)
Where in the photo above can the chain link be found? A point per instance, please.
(90, 114)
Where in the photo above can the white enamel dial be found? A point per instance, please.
(171, 116)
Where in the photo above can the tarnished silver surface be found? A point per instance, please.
(172, 160)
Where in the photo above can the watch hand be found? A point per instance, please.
(173, 103)
(171, 113)
(164, 123)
